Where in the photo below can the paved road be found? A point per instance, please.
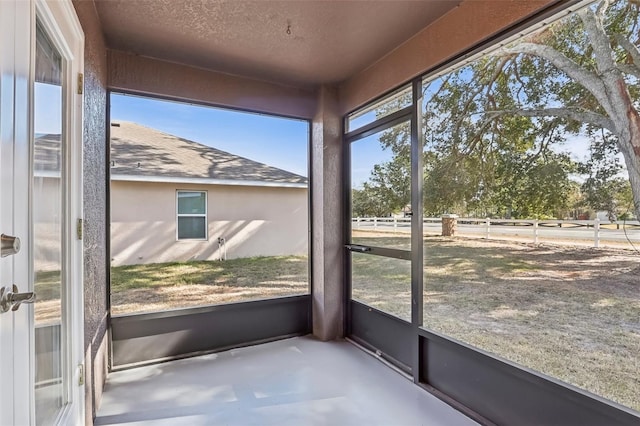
(578, 234)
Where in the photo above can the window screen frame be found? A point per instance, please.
(205, 215)
(439, 363)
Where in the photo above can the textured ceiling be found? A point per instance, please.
(328, 42)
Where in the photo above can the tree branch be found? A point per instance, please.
(611, 75)
(631, 48)
(579, 115)
(630, 70)
(486, 88)
(587, 79)
(602, 9)
(598, 38)
(544, 144)
(443, 84)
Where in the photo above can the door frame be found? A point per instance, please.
(391, 338)
(59, 19)
(16, 339)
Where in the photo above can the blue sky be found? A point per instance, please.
(278, 142)
(366, 153)
(47, 109)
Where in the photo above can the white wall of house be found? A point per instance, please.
(47, 224)
(254, 221)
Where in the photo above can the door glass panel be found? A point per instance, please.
(381, 189)
(383, 283)
(48, 212)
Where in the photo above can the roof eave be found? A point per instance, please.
(206, 181)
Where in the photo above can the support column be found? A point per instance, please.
(327, 206)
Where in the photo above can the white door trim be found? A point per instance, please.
(61, 22)
(15, 337)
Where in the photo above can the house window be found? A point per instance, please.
(192, 215)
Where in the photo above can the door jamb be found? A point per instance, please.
(60, 20)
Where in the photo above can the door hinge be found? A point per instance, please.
(79, 229)
(81, 375)
(80, 83)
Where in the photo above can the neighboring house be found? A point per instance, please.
(47, 223)
(174, 200)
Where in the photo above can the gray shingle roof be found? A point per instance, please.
(138, 151)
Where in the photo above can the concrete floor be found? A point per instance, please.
(297, 381)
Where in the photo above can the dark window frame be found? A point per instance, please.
(550, 397)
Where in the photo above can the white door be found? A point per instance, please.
(41, 316)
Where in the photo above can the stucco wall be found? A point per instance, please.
(255, 221)
(328, 204)
(133, 73)
(94, 238)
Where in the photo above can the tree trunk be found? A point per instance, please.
(629, 144)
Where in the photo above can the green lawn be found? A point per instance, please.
(161, 286)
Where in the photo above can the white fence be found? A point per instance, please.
(595, 231)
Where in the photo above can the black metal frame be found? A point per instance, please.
(417, 246)
(485, 387)
(388, 336)
(383, 123)
(380, 251)
(352, 315)
(346, 232)
(161, 336)
(278, 308)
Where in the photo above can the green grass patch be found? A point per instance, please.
(162, 286)
(235, 272)
(47, 285)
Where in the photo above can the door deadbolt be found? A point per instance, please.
(9, 245)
